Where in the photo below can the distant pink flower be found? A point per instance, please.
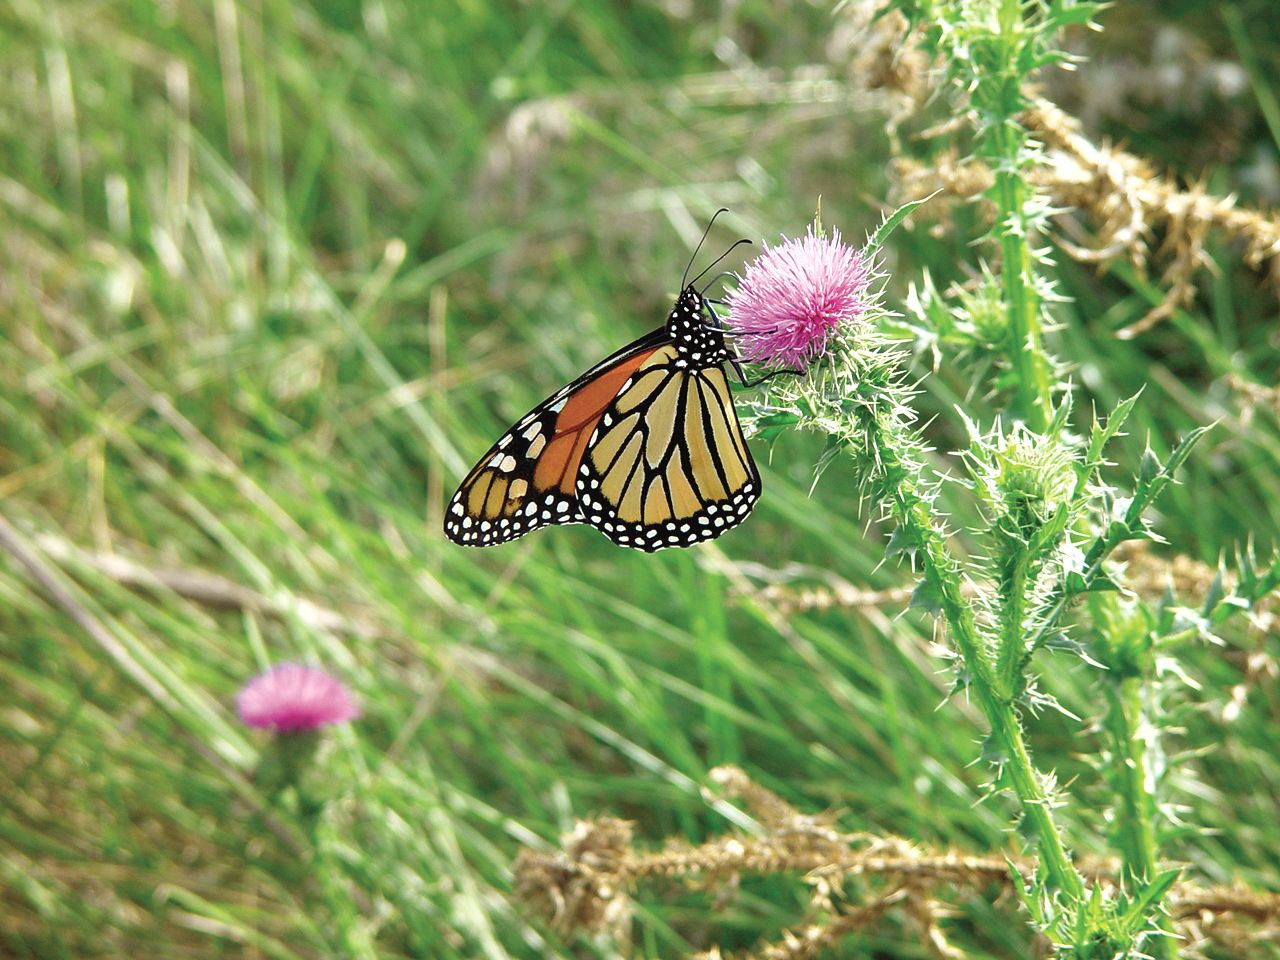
(794, 296)
(292, 697)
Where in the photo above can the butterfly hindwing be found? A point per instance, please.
(667, 465)
(527, 479)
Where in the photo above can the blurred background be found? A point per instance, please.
(273, 274)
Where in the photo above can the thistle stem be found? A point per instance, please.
(1133, 741)
(943, 573)
(1034, 402)
(1137, 805)
(1035, 804)
(1034, 398)
(1013, 600)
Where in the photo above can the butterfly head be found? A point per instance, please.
(692, 330)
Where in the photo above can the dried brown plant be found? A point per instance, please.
(874, 45)
(1128, 203)
(1146, 573)
(1252, 397)
(1120, 192)
(586, 886)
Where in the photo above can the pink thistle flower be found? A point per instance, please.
(794, 296)
(291, 697)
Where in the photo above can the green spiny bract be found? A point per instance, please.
(1025, 480)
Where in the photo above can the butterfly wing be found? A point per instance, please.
(527, 479)
(667, 465)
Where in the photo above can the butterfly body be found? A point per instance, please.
(645, 447)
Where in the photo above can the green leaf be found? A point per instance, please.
(773, 425)
(903, 542)
(1099, 582)
(1065, 643)
(1048, 534)
(1146, 899)
(1149, 468)
(1063, 13)
(1026, 891)
(1213, 596)
(877, 239)
(1183, 450)
(1061, 416)
(926, 597)
(1104, 433)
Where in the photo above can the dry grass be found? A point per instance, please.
(1125, 204)
(855, 880)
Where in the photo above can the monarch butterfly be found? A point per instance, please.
(645, 446)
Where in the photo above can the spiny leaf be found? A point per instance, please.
(926, 597)
(877, 239)
(1149, 467)
(1098, 582)
(1146, 899)
(1063, 13)
(773, 425)
(1104, 433)
(1213, 596)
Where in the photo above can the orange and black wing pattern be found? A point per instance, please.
(528, 478)
(667, 465)
(645, 447)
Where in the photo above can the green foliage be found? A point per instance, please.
(1051, 521)
(1103, 927)
(1035, 490)
(274, 272)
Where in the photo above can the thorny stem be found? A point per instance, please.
(943, 574)
(1013, 598)
(1034, 401)
(1125, 720)
(1135, 749)
(1026, 784)
(1031, 368)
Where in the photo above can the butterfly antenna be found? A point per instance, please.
(736, 245)
(700, 243)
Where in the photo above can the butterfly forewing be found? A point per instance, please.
(527, 479)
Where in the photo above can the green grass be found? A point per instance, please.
(272, 274)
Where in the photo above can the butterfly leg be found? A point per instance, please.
(742, 374)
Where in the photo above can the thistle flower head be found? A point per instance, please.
(795, 296)
(1034, 468)
(292, 697)
(1024, 476)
